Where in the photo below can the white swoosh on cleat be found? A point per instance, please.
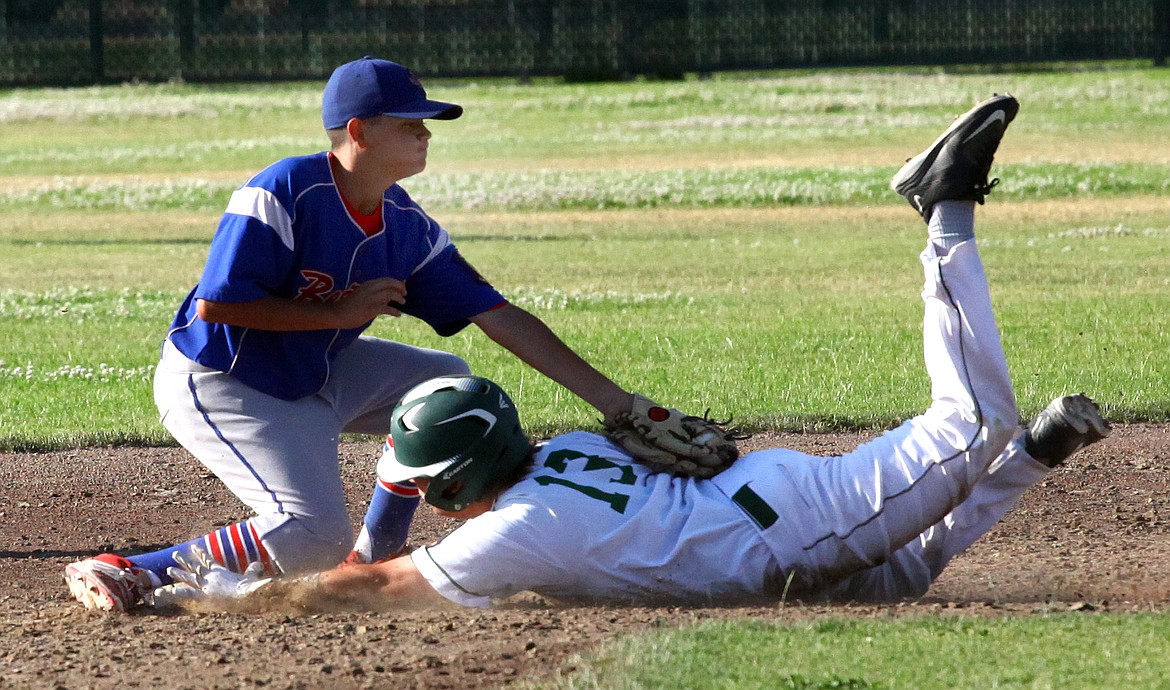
(997, 116)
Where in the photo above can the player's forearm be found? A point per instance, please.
(352, 308)
(274, 314)
(389, 585)
(533, 342)
(392, 584)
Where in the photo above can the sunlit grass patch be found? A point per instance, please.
(163, 101)
(1037, 651)
(560, 300)
(183, 153)
(123, 193)
(543, 190)
(103, 372)
(824, 118)
(73, 305)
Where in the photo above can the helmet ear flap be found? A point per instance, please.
(452, 490)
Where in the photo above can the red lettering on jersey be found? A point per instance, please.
(317, 288)
(331, 298)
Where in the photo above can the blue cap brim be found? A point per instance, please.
(427, 110)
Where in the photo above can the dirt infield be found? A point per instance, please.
(1092, 537)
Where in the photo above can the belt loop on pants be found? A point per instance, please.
(755, 507)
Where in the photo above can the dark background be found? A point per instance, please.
(70, 42)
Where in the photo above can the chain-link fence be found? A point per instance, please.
(58, 42)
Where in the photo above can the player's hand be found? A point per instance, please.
(369, 300)
(199, 577)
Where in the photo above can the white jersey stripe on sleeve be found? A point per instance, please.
(441, 242)
(442, 581)
(263, 205)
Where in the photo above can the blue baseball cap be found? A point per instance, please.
(369, 87)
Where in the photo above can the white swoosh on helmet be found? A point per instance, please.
(478, 413)
(407, 417)
(428, 387)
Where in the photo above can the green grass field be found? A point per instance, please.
(727, 243)
(919, 653)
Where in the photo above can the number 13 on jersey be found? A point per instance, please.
(559, 461)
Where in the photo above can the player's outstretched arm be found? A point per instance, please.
(663, 438)
(387, 585)
(530, 339)
(393, 584)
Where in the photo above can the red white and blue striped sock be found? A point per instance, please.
(235, 547)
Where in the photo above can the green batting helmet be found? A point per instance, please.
(461, 432)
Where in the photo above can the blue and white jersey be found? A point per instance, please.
(287, 233)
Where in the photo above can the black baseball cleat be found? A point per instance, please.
(955, 166)
(1064, 427)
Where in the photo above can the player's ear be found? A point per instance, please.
(356, 130)
(453, 489)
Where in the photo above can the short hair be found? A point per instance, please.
(337, 136)
(507, 481)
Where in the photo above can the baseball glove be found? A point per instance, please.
(670, 441)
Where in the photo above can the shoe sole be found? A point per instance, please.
(91, 592)
(991, 110)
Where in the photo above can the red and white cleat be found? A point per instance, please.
(108, 582)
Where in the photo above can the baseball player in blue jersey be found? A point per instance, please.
(576, 518)
(265, 364)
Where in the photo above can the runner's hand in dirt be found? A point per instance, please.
(199, 577)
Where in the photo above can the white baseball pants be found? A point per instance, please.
(840, 516)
